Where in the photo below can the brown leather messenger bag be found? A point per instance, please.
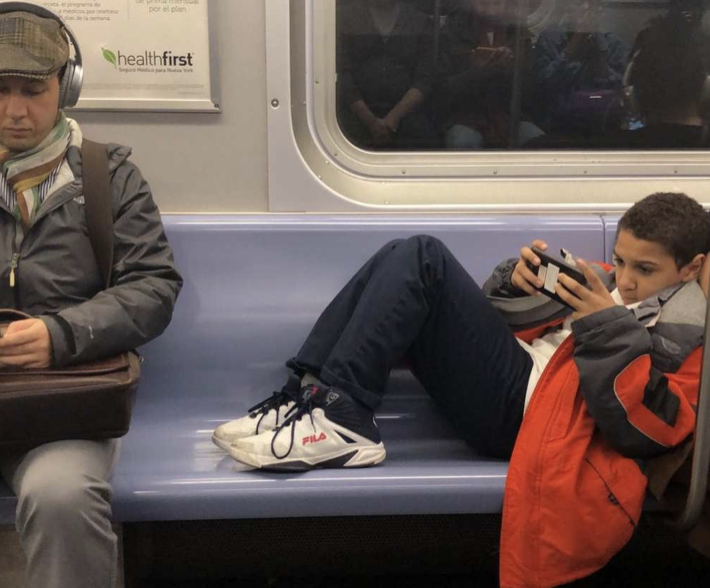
(91, 400)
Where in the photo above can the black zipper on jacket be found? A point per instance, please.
(611, 497)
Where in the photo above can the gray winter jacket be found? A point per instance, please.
(57, 277)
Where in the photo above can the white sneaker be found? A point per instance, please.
(326, 429)
(263, 417)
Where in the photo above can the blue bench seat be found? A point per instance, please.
(254, 285)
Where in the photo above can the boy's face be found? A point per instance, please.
(645, 267)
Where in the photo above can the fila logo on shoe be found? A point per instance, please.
(314, 439)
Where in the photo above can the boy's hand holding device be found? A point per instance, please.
(525, 274)
(583, 299)
(579, 288)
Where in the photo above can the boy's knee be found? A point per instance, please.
(385, 251)
(428, 244)
(387, 247)
(416, 251)
(416, 243)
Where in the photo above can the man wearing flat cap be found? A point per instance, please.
(48, 270)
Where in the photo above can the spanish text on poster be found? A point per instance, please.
(141, 54)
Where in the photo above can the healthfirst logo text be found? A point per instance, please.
(150, 61)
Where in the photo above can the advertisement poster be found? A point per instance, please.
(141, 54)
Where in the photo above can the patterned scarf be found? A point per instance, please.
(25, 172)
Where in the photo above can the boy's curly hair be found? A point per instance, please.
(673, 220)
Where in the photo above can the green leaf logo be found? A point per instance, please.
(109, 56)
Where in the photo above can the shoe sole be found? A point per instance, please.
(347, 458)
(225, 444)
(221, 443)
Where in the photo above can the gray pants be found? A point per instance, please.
(63, 513)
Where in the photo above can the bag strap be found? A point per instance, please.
(97, 196)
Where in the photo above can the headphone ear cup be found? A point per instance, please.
(70, 85)
(64, 84)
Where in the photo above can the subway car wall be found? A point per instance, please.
(285, 141)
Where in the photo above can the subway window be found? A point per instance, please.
(499, 75)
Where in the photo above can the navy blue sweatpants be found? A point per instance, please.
(414, 300)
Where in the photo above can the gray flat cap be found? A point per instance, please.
(31, 46)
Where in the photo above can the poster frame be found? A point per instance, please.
(210, 105)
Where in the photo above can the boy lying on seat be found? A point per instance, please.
(576, 395)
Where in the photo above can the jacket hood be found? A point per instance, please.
(532, 311)
(679, 304)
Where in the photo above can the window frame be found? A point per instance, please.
(301, 54)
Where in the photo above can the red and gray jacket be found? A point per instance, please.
(616, 393)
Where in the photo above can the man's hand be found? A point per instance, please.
(583, 300)
(380, 132)
(502, 58)
(523, 277)
(391, 122)
(26, 344)
(491, 58)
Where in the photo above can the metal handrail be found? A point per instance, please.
(516, 99)
(437, 32)
(701, 455)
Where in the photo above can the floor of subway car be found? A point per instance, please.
(614, 578)
(373, 552)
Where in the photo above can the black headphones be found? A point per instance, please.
(73, 76)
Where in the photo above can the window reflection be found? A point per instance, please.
(475, 75)
(580, 70)
(386, 66)
(486, 58)
(666, 83)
